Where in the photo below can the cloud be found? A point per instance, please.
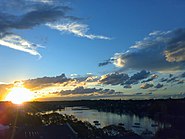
(180, 82)
(138, 93)
(89, 85)
(175, 51)
(61, 81)
(183, 75)
(114, 78)
(44, 1)
(36, 15)
(82, 91)
(77, 29)
(4, 89)
(134, 79)
(173, 79)
(127, 86)
(18, 43)
(22, 15)
(106, 62)
(159, 85)
(154, 76)
(140, 75)
(45, 81)
(89, 77)
(75, 80)
(120, 78)
(160, 51)
(146, 86)
(118, 61)
(92, 79)
(22, 6)
(163, 79)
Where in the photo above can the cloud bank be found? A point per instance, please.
(160, 51)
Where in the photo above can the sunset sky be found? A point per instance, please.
(92, 49)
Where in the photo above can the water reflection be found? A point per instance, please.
(131, 122)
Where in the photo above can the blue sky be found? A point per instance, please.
(91, 32)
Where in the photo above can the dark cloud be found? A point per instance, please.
(21, 15)
(86, 78)
(41, 16)
(175, 51)
(73, 81)
(170, 79)
(114, 78)
(119, 78)
(163, 79)
(127, 86)
(154, 76)
(159, 85)
(160, 51)
(146, 86)
(82, 90)
(139, 93)
(170, 75)
(45, 81)
(104, 63)
(92, 79)
(180, 82)
(134, 79)
(173, 79)
(32, 18)
(22, 6)
(183, 75)
(140, 75)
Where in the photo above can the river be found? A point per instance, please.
(131, 122)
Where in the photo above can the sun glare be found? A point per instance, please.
(19, 95)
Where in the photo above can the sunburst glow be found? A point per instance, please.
(18, 95)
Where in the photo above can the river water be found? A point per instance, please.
(131, 122)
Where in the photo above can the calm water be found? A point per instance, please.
(107, 118)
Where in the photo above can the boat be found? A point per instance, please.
(121, 124)
(80, 108)
(147, 132)
(96, 122)
(136, 123)
(154, 125)
(136, 126)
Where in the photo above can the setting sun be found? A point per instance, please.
(18, 95)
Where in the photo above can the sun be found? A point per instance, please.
(19, 95)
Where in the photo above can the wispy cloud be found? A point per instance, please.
(16, 42)
(43, 1)
(80, 30)
(32, 13)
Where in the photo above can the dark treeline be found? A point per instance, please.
(152, 108)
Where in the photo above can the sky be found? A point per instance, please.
(90, 49)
